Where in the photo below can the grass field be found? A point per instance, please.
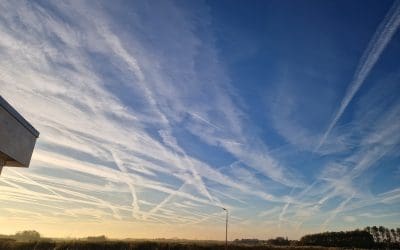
(134, 245)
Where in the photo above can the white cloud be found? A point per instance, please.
(95, 140)
(109, 102)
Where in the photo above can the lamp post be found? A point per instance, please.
(226, 229)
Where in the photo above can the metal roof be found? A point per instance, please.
(18, 117)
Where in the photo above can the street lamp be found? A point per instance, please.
(226, 229)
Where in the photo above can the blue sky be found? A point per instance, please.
(154, 114)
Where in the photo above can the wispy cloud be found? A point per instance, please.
(371, 55)
(107, 104)
(117, 105)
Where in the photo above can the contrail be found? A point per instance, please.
(165, 201)
(336, 211)
(135, 200)
(378, 43)
(204, 120)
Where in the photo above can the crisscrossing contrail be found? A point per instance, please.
(378, 43)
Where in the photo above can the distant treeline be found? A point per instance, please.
(370, 237)
(382, 234)
(27, 235)
(278, 241)
(357, 238)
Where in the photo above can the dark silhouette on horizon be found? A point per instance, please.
(375, 237)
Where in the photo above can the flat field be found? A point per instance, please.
(137, 245)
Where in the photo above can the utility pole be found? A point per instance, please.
(226, 229)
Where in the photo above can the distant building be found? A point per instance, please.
(17, 137)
